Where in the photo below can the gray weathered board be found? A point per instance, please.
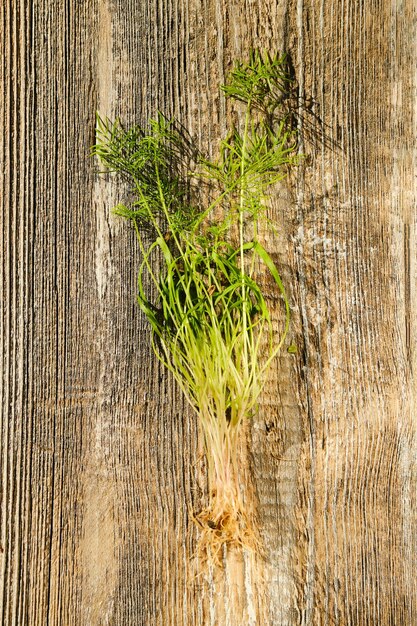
(100, 456)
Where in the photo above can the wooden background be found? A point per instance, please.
(100, 455)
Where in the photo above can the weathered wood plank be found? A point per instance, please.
(356, 228)
(100, 454)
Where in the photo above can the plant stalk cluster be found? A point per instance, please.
(211, 324)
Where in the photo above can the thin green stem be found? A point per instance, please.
(241, 235)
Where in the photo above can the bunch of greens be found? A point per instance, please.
(197, 223)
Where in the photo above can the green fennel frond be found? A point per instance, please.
(263, 81)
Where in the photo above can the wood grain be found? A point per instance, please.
(357, 230)
(100, 454)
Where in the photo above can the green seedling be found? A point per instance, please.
(210, 320)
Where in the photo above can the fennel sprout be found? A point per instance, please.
(211, 325)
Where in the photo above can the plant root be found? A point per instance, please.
(225, 527)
